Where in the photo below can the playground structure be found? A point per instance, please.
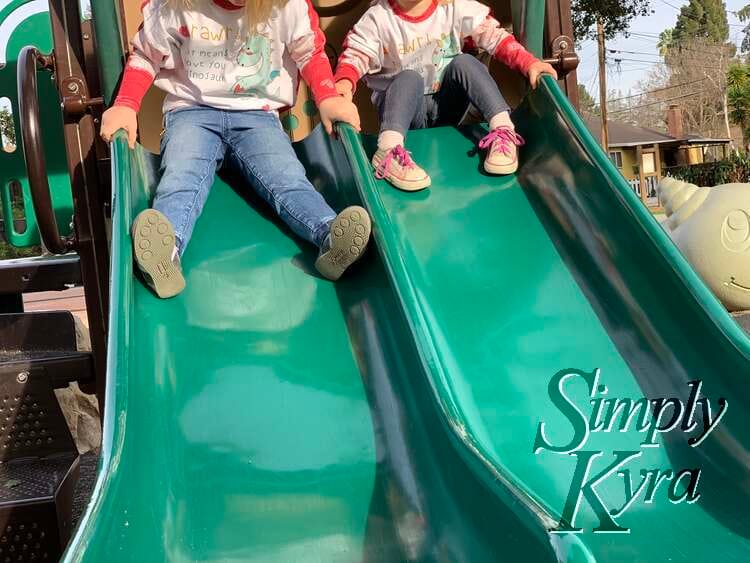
(711, 228)
(266, 414)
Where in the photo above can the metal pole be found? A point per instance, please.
(602, 85)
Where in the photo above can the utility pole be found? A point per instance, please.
(602, 85)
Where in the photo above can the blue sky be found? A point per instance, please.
(626, 78)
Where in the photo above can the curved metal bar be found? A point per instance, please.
(31, 141)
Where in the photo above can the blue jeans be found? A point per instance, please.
(198, 140)
(466, 81)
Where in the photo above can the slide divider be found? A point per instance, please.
(500, 481)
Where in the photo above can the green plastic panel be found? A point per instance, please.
(109, 45)
(509, 281)
(22, 23)
(267, 414)
(528, 24)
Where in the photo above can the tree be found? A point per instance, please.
(615, 16)
(738, 92)
(744, 15)
(7, 129)
(697, 54)
(587, 103)
(702, 19)
(694, 77)
(666, 41)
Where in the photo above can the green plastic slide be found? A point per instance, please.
(434, 404)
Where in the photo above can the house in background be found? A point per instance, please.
(644, 155)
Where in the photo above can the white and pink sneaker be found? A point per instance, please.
(502, 156)
(396, 166)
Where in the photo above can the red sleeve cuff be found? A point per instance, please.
(510, 52)
(347, 72)
(318, 75)
(135, 83)
(123, 101)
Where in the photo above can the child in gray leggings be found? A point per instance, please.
(409, 53)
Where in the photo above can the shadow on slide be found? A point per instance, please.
(267, 414)
(561, 271)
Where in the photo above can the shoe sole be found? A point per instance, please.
(153, 242)
(405, 185)
(350, 233)
(500, 169)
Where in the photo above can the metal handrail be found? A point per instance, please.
(29, 60)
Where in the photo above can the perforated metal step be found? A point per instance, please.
(38, 459)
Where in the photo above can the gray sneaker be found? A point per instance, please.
(346, 242)
(156, 254)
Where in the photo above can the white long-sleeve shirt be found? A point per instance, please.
(204, 55)
(386, 41)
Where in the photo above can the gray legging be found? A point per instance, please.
(466, 81)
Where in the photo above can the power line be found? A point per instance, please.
(671, 5)
(620, 59)
(703, 52)
(686, 16)
(658, 90)
(636, 69)
(654, 38)
(623, 61)
(644, 34)
(613, 51)
(629, 67)
(656, 102)
(661, 63)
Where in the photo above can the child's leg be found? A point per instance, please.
(191, 149)
(467, 80)
(401, 108)
(262, 151)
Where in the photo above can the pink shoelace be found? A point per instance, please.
(507, 138)
(397, 153)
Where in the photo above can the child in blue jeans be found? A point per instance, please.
(227, 69)
(409, 53)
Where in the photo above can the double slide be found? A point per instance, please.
(267, 414)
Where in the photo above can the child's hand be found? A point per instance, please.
(345, 88)
(539, 68)
(338, 109)
(116, 118)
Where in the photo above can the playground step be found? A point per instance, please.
(43, 344)
(41, 273)
(36, 332)
(35, 507)
(38, 459)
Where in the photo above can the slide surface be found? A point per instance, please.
(269, 415)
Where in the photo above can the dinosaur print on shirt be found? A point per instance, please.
(255, 62)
